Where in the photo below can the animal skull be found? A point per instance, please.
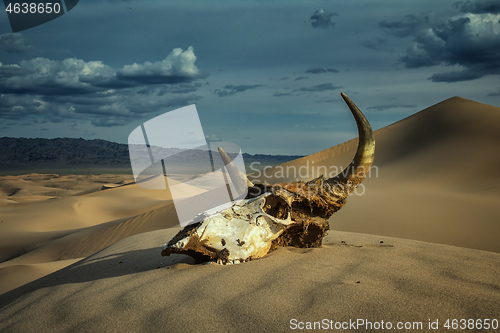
(293, 214)
(239, 232)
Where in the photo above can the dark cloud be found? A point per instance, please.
(232, 89)
(301, 78)
(41, 76)
(322, 19)
(320, 70)
(14, 43)
(471, 41)
(478, 6)
(116, 109)
(320, 87)
(152, 90)
(408, 26)
(75, 76)
(390, 106)
(13, 107)
(73, 89)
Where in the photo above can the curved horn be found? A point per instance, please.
(232, 169)
(357, 170)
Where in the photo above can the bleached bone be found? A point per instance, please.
(294, 214)
(235, 173)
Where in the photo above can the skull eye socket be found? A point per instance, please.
(276, 207)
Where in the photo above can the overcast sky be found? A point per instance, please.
(265, 75)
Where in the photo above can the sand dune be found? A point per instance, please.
(45, 186)
(74, 226)
(434, 180)
(128, 287)
(46, 233)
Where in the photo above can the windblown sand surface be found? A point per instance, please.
(128, 287)
(436, 180)
(43, 233)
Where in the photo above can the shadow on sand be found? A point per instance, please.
(97, 267)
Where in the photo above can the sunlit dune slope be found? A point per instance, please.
(38, 237)
(435, 177)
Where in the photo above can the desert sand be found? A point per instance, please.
(430, 205)
(435, 177)
(129, 287)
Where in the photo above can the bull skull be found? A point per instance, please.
(294, 214)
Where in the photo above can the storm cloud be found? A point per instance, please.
(14, 43)
(56, 90)
(43, 76)
(110, 108)
(479, 6)
(470, 41)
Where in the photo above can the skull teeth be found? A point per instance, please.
(229, 261)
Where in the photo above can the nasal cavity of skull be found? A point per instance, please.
(276, 206)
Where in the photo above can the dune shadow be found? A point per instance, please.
(100, 267)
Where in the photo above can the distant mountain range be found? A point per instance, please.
(80, 152)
